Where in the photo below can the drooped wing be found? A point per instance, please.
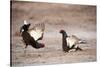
(37, 31)
(72, 40)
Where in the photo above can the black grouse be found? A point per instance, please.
(31, 36)
(70, 42)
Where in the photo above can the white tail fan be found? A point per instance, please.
(37, 31)
(82, 42)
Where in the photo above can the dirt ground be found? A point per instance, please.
(79, 20)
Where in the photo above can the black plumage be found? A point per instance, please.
(28, 39)
(70, 42)
(64, 41)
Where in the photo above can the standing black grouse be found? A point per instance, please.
(31, 36)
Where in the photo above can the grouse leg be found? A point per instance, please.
(25, 49)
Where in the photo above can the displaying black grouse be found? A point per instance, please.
(31, 36)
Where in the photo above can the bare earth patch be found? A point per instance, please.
(75, 19)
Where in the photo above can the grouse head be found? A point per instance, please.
(25, 27)
(64, 33)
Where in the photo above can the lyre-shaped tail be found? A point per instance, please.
(39, 26)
